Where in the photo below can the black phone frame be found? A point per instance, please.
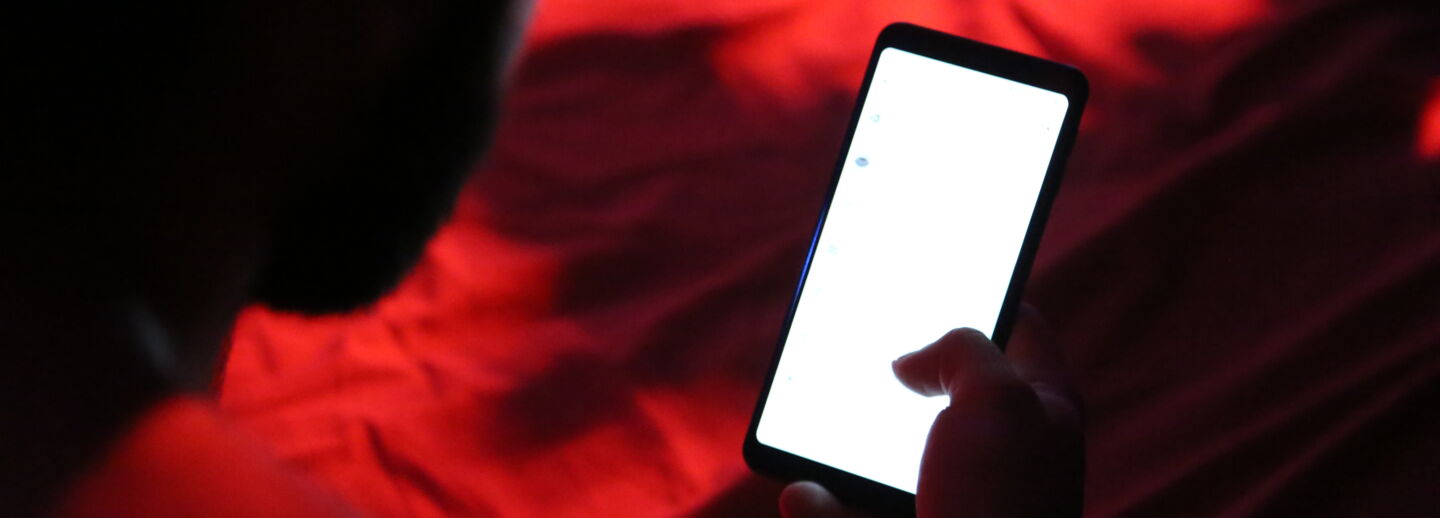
(989, 59)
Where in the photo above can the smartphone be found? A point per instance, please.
(952, 158)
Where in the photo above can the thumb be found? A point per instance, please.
(810, 500)
(965, 365)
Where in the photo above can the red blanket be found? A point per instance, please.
(1243, 263)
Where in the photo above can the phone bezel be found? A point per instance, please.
(1042, 73)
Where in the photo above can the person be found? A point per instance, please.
(168, 163)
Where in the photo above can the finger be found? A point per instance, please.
(810, 500)
(1035, 357)
(962, 361)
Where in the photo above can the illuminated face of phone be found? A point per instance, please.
(922, 236)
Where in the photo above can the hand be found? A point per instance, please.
(1011, 442)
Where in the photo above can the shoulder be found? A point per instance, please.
(182, 458)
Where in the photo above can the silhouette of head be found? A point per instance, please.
(342, 133)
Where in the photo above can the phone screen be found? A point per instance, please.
(921, 236)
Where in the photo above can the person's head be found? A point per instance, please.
(164, 162)
(315, 144)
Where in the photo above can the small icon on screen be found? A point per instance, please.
(862, 161)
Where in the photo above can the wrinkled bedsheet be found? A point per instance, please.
(1243, 264)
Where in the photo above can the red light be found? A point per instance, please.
(1427, 143)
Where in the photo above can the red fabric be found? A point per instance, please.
(1243, 264)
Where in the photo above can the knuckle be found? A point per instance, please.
(965, 334)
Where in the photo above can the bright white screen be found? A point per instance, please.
(922, 237)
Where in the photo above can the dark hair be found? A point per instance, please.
(81, 76)
(81, 80)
